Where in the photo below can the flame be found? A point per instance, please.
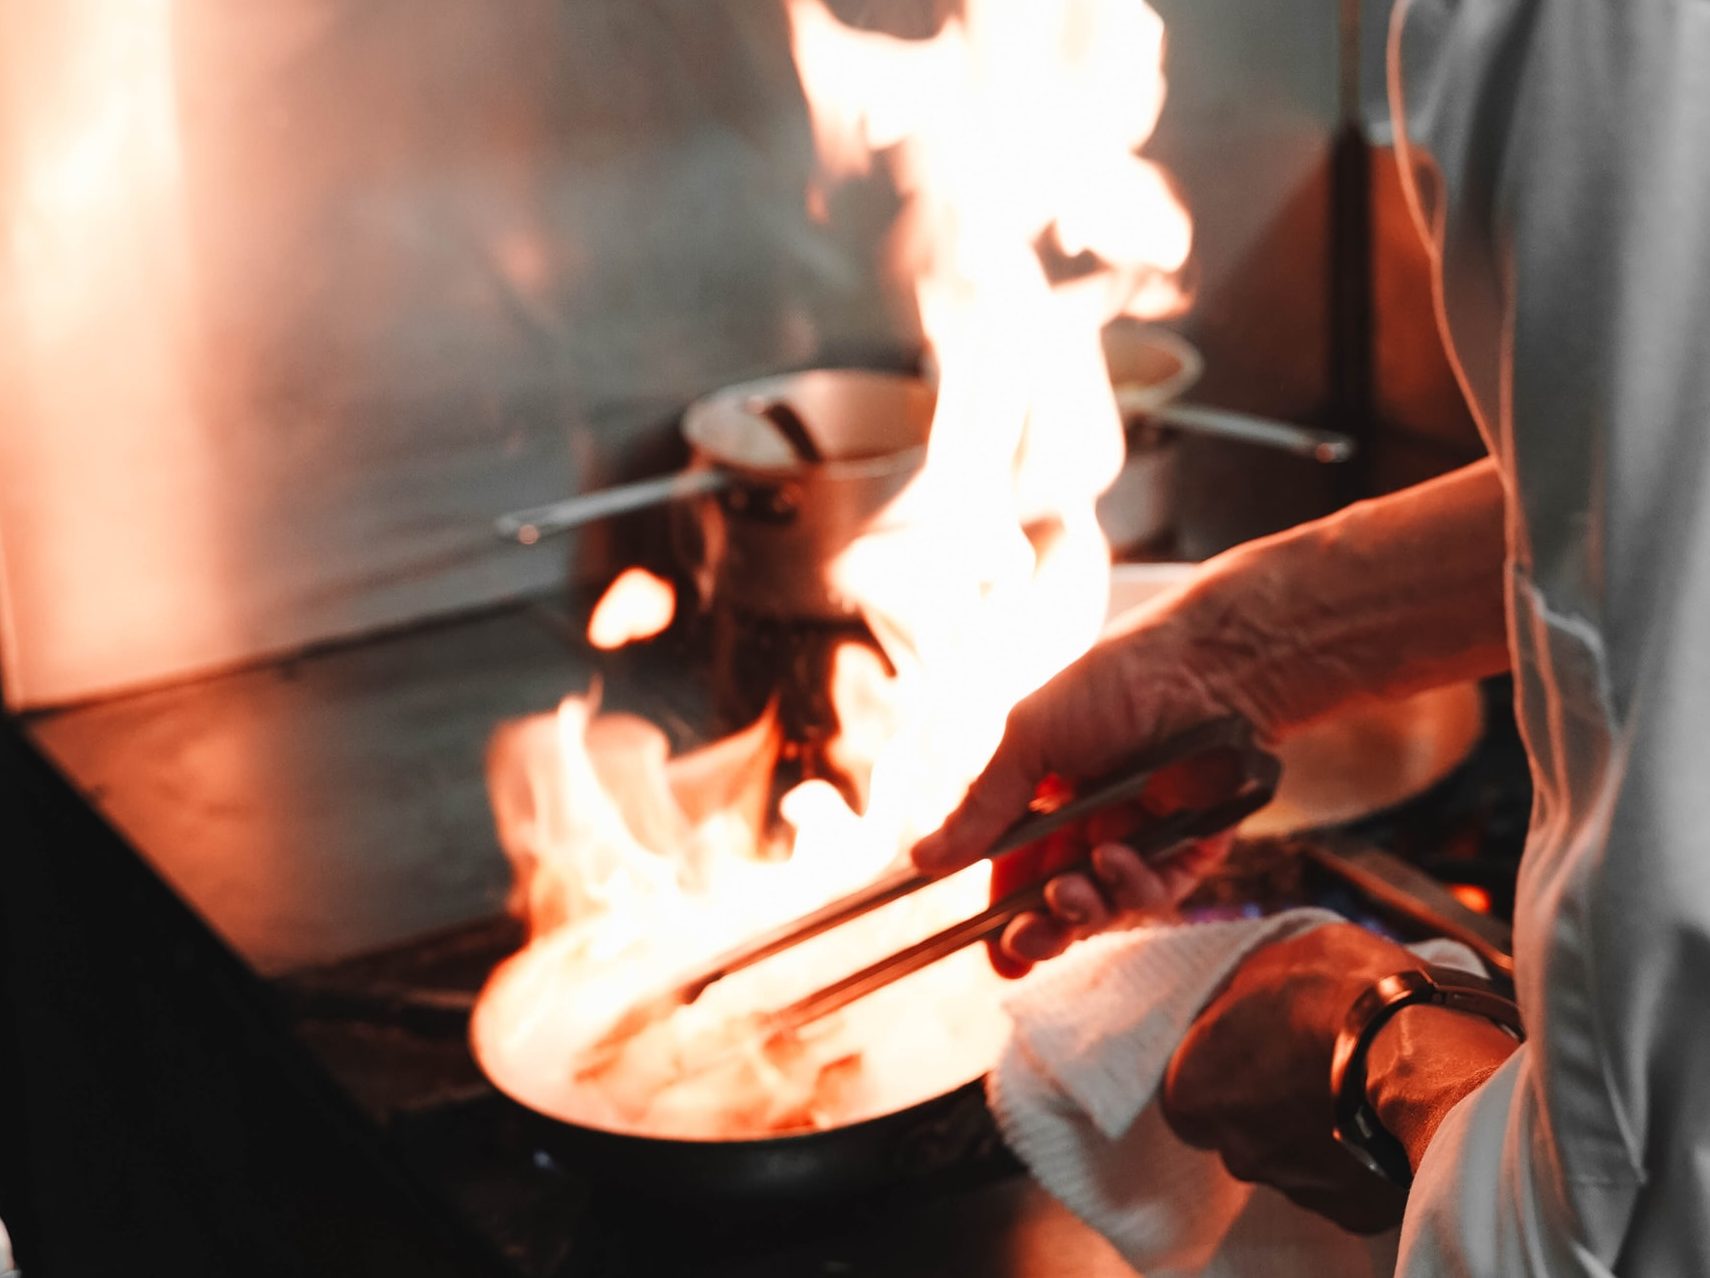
(1030, 222)
(636, 866)
(636, 606)
(1013, 136)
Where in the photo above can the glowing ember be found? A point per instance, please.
(636, 606)
(1030, 222)
(1471, 896)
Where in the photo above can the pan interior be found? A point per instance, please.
(924, 1037)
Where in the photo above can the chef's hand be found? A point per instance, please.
(1252, 1078)
(1121, 888)
(1381, 599)
(1158, 674)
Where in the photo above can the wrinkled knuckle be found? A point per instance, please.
(996, 795)
(1027, 747)
(1024, 720)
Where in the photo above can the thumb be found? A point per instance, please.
(994, 802)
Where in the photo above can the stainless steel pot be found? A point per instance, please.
(788, 470)
(761, 510)
(767, 539)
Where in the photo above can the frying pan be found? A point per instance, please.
(796, 1170)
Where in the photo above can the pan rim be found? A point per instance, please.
(795, 1137)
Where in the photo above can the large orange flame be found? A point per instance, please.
(1030, 223)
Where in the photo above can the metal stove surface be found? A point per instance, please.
(327, 819)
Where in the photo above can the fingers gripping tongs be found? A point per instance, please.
(1159, 841)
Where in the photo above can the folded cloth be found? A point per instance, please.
(1075, 1088)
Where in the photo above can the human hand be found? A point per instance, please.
(1122, 887)
(1143, 683)
(1158, 674)
(1381, 599)
(1251, 1080)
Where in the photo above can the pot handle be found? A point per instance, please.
(1320, 445)
(529, 526)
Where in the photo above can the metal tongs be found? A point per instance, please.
(1158, 842)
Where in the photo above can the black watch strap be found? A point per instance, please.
(1357, 1128)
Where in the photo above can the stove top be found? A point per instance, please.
(326, 818)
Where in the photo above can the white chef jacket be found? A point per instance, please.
(1559, 155)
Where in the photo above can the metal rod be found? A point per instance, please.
(529, 526)
(1119, 786)
(1130, 781)
(1304, 441)
(1415, 895)
(1158, 844)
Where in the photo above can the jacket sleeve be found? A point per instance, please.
(1558, 154)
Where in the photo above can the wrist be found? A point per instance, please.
(1423, 1062)
(1427, 1063)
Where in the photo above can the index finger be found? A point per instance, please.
(994, 802)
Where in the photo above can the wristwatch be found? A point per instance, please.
(1357, 1128)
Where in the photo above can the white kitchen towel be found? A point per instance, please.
(1074, 1095)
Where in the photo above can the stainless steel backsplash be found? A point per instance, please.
(296, 296)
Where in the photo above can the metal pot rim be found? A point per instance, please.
(1152, 395)
(702, 415)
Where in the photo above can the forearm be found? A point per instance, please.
(1382, 599)
(1385, 598)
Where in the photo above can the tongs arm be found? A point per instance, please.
(1122, 784)
(1259, 773)
(1164, 840)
